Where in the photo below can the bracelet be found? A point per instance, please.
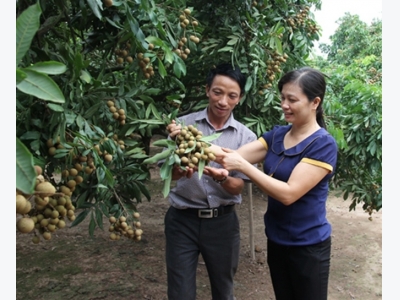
(222, 180)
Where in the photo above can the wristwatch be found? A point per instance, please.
(222, 180)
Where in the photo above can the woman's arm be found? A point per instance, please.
(253, 152)
(303, 178)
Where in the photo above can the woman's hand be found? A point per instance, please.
(230, 159)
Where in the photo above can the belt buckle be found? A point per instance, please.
(205, 213)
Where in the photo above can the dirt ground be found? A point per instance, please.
(74, 266)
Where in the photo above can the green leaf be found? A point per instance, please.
(30, 135)
(232, 41)
(95, 8)
(249, 83)
(167, 186)
(55, 107)
(157, 157)
(81, 201)
(181, 64)
(133, 23)
(161, 69)
(166, 169)
(85, 76)
(224, 49)
(155, 111)
(114, 208)
(92, 110)
(169, 57)
(152, 91)
(165, 143)
(211, 137)
(80, 217)
(113, 23)
(144, 190)
(179, 83)
(27, 24)
(148, 111)
(278, 45)
(41, 86)
(99, 216)
(20, 75)
(25, 171)
(135, 192)
(92, 225)
(49, 67)
(201, 166)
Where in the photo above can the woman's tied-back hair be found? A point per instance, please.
(313, 84)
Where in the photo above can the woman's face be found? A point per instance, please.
(223, 95)
(297, 109)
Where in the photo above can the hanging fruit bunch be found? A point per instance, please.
(192, 149)
(189, 149)
(44, 211)
(124, 227)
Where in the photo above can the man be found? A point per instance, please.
(202, 217)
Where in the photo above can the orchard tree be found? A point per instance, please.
(97, 79)
(354, 108)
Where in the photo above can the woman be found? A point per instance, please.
(299, 160)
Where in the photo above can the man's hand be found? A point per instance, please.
(178, 172)
(216, 173)
(173, 129)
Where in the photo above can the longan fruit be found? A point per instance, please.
(73, 172)
(46, 235)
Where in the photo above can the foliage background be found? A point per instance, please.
(265, 39)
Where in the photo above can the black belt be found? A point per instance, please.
(209, 212)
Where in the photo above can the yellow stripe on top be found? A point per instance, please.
(318, 164)
(264, 143)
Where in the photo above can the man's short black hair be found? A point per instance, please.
(227, 69)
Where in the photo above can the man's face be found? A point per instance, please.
(223, 95)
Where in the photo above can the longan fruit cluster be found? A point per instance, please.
(119, 142)
(375, 76)
(50, 214)
(191, 150)
(300, 19)
(120, 227)
(117, 113)
(108, 157)
(273, 65)
(145, 64)
(44, 211)
(73, 176)
(182, 49)
(123, 55)
(273, 68)
(82, 166)
(185, 19)
(53, 146)
(194, 39)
